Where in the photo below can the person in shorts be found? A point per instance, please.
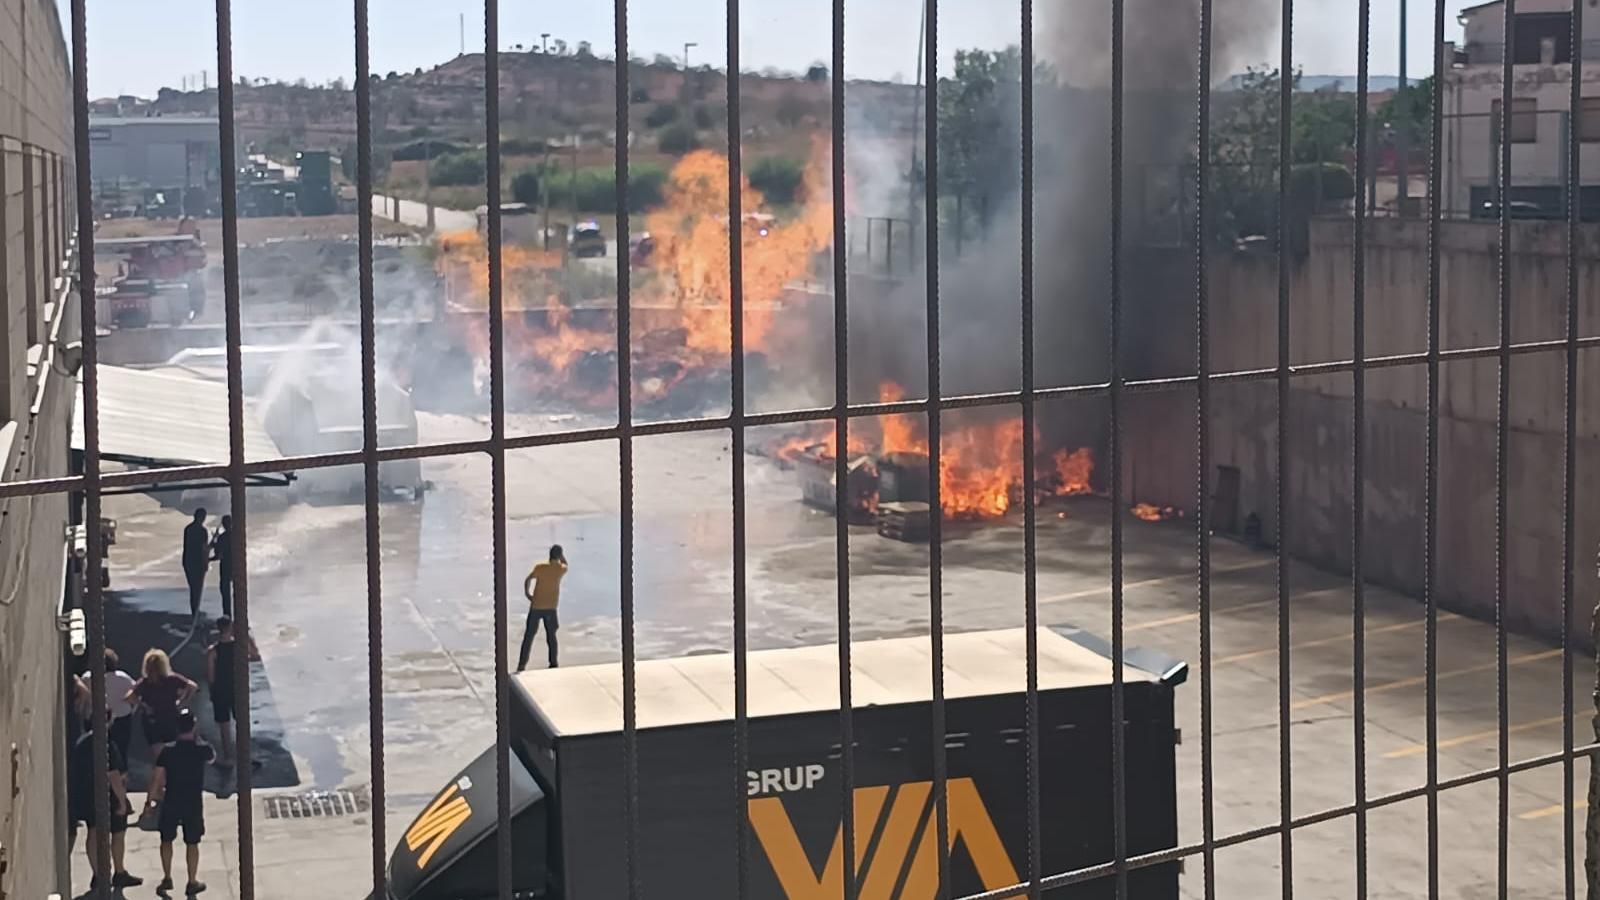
(177, 792)
(220, 683)
(80, 804)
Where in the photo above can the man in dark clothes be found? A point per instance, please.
(219, 677)
(177, 787)
(222, 552)
(196, 554)
(80, 802)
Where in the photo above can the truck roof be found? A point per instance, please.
(587, 700)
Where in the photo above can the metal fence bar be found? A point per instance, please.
(1030, 512)
(941, 807)
(841, 426)
(1501, 462)
(1358, 442)
(1569, 452)
(1430, 487)
(741, 663)
(625, 431)
(94, 597)
(840, 412)
(497, 449)
(1202, 500)
(1119, 762)
(1281, 486)
(236, 461)
(369, 448)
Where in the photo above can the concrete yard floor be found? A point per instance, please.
(307, 591)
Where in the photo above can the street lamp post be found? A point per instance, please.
(1402, 138)
(686, 54)
(544, 42)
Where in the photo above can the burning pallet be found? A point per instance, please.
(904, 520)
(818, 484)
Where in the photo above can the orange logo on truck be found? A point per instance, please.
(440, 820)
(909, 810)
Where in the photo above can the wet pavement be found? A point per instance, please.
(308, 607)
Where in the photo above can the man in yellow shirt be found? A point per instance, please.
(542, 587)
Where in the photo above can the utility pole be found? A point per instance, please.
(686, 54)
(1402, 138)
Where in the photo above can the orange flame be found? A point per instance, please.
(1152, 513)
(682, 307)
(980, 462)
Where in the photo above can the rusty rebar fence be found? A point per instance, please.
(93, 482)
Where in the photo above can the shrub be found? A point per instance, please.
(704, 118)
(426, 149)
(458, 168)
(678, 139)
(522, 146)
(663, 114)
(595, 188)
(777, 178)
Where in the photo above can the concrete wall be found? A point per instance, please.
(35, 419)
(1162, 429)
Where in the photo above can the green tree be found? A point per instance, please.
(459, 168)
(978, 145)
(1412, 110)
(678, 139)
(662, 114)
(777, 178)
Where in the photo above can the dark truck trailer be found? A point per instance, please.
(570, 828)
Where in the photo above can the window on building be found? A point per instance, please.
(1524, 121)
(1589, 119)
(1542, 39)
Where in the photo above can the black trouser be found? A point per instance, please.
(535, 616)
(227, 592)
(197, 586)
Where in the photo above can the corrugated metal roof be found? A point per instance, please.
(163, 416)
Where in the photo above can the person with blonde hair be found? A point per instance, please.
(161, 693)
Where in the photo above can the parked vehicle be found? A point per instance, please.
(588, 240)
(164, 266)
(567, 791)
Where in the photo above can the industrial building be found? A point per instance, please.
(159, 152)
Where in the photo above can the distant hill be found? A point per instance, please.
(1343, 83)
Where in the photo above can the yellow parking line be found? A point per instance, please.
(1419, 749)
(1151, 582)
(1335, 639)
(1240, 607)
(1545, 811)
(1421, 679)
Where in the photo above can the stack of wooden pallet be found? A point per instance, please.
(904, 520)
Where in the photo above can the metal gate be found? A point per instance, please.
(94, 482)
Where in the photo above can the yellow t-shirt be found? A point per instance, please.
(546, 578)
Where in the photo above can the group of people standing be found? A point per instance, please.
(161, 701)
(200, 549)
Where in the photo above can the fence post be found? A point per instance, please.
(1591, 830)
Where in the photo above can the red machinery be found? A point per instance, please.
(148, 266)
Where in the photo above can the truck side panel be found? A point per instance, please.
(793, 800)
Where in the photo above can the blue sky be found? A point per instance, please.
(138, 47)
